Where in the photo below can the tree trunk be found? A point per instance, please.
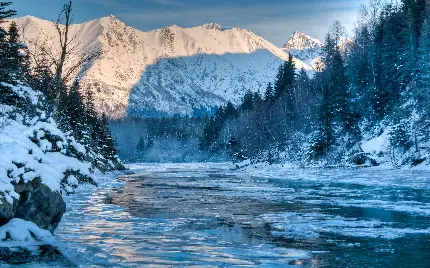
(64, 39)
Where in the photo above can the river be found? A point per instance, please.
(194, 215)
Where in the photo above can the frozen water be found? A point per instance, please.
(198, 215)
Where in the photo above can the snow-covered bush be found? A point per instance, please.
(32, 146)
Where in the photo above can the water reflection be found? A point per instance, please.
(205, 217)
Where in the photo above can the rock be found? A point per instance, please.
(37, 203)
(24, 242)
(42, 254)
(362, 159)
(7, 211)
(17, 256)
(112, 165)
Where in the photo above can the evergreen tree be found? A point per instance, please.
(107, 142)
(400, 138)
(229, 111)
(328, 51)
(92, 121)
(422, 89)
(269, 95)
(340, 96)
(5, 70)
(141, 146)
(324, 139)
(379, 93)
(285, 78)
(77, 114)
(256, 99)
(414, 12)
(247, 102)
(304, 97)
(13, 53)
(234, 150)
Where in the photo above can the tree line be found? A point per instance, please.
(380, 83)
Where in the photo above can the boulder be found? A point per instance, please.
(21, 255)
(7, 211)
(362, 159)
(37, 204)
(24, 242)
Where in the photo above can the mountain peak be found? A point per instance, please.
(212, 25)
(300, 41)
(111, 19)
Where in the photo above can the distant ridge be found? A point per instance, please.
(189, 68)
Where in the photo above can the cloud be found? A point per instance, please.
(274, 22)
(167, 2)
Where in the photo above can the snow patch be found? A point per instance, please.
(314, 225)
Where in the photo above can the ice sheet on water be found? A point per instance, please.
(323, 201)
(315, 225)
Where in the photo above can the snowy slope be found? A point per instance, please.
(32, 146)
(169, 70)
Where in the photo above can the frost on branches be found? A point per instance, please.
(38, 162)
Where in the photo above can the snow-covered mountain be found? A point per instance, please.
(304, 48)
(168, 71)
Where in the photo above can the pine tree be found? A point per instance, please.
(230, 111)
(141, 146)
(269, 95)
(325, 136)
(285, 78)
(234, 150)
(247, 102)
(5, 13)
(13, 54)
(422, 90)
(91, 120)
(107, 142)
(77, 115)
(304, 97)
(256, 99)
(379, 93)
(328, 51)
(414, 12)
(339, 85)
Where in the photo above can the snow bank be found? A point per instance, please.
(23, 231)
(378, 144)
(32, 146)
(22, 241)
(313, 225)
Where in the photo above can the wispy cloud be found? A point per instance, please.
(275, 20)
(167, 2)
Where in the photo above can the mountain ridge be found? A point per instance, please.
(127, 53)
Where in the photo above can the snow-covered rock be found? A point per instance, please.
(36, 161)
(27, 233)
(169, 70)
(24, 242)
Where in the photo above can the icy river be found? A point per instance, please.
(195, 215)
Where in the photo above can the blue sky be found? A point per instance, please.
(275, 20)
